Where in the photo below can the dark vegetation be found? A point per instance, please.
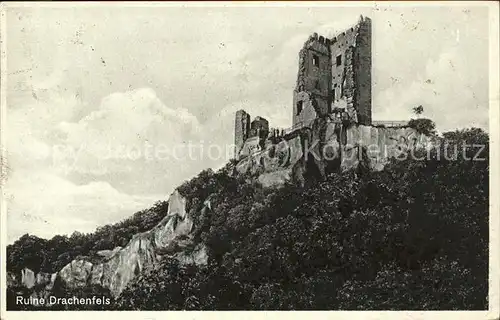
(412, 237)
(422, 125)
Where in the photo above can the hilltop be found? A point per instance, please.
(413, 236)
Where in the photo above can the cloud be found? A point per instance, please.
(132, 134)
(46, 205)
(76, 175)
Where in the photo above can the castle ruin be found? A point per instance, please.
(334, 80)
(332, 110)
(335, 77)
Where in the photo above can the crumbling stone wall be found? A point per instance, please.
(363, 70)
(345, 91)
(308, 112)
(259, 127)
(351, 71)
(249, 136)
(241, 130)
(313, 80)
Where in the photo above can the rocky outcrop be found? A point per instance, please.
(28, 278)
(171, 238)
(377, 145)
(108, 253)
(326, 147)
(274, 164)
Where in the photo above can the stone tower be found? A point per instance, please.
(335, 75)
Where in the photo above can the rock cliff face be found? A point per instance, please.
(171, 238)
(380, 145)
(326, 147)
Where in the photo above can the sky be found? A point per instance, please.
(102, 102)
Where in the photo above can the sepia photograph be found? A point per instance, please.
(225, 156)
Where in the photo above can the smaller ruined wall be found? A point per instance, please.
(241, 130)
(259, 127)
(249, 134)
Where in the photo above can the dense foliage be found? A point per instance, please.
(414, 236)
(52, 255)
(422, 125)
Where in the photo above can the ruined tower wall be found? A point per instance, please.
(313, 81)
(241, 130)
(343, 85)
(351, 71)
(249, 136)
(305, 102)
(363, 71)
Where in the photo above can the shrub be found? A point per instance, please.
(423, 126)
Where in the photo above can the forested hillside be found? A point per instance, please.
(413, 236)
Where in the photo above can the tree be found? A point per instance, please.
(424, 126)
(418, 110)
